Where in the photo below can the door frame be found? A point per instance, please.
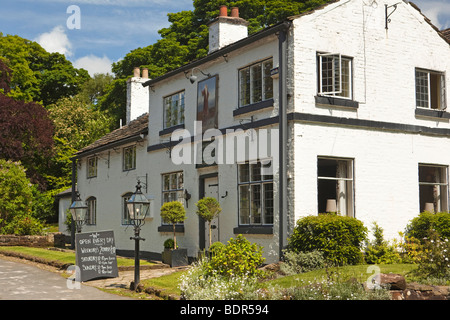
(201, 194)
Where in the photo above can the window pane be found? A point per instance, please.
(345, 83)
(244, 205)
(180, 184)
(335, 184)
(166, 182)
(173, 181)
(327, 74)
(256, 204)
(268, 203)
(268, 81)
(244, 83)
(244, 175)
(255, 171)
(421, 89)
(256, 83)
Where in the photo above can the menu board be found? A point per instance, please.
(96, 255)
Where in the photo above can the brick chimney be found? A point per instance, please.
(225, 30)
(137, 95)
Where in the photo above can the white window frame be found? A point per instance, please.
(442, 89)
(441, 187)
(91, 167)
(174, 193)
(336, 73)
(125, 220)
(264, 95)
(180, 98)
(129, 160)
(347, 208)
(91, 215)
(265, 179)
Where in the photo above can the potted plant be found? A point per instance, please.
(173, 212)
(208, 208)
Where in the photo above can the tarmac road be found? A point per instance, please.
(19, 281)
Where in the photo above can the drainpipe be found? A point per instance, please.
(74, 186)
(283, 132)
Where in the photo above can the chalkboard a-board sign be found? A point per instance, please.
(96, 255)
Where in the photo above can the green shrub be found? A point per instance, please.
(339, 238)
(24, 224)
(380, 251)
(420, 226)
(299, 262)
(238, 257)
(434, 259)
(216, 246)
(169, 244)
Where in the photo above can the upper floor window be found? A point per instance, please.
(335, 75)
(129, 158)
(174, 110)
(430, 89)
(255, 83)
(91, 215)
(92, 167)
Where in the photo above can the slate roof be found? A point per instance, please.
(125, 134)
(446, 34)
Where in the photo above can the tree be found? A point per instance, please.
(77, 123)
(173, 212)
(16, 191)
(37, 75)
(208, 208)
(26, 135)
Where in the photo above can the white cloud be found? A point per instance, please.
(438, 11)
(55, 41)
(94, 64)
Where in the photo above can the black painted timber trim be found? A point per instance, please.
(432, 113)
(253, 107)
(368, 124)
(253, 230)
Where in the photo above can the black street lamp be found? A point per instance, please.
(78, 209)
(138, 206)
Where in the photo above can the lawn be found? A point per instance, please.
(62, 256)
(170, 282)
(360, 272)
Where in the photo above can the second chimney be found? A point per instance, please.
(225, 30)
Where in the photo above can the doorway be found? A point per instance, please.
(209, 187)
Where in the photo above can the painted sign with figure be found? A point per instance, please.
(207, 103)
(96, 255)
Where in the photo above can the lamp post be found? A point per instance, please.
(138, 206)
(78, 209)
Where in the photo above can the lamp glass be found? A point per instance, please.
(78, 210)
(138, 206)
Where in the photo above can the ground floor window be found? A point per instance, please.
(433, 188)
(125, 214)
(91, 216)
(173, 187)
(335, 185)
(255, 186)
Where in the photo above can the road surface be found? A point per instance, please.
(20, 281)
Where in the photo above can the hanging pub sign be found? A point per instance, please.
(96, 255)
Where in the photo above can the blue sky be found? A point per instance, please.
(109, 29)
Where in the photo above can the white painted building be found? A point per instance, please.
(356, 101)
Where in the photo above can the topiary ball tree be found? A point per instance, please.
(173, 212)
(208, 208)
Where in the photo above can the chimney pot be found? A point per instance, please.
(145, 73)
(223, 11)
(137, 72)
(235, 12)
